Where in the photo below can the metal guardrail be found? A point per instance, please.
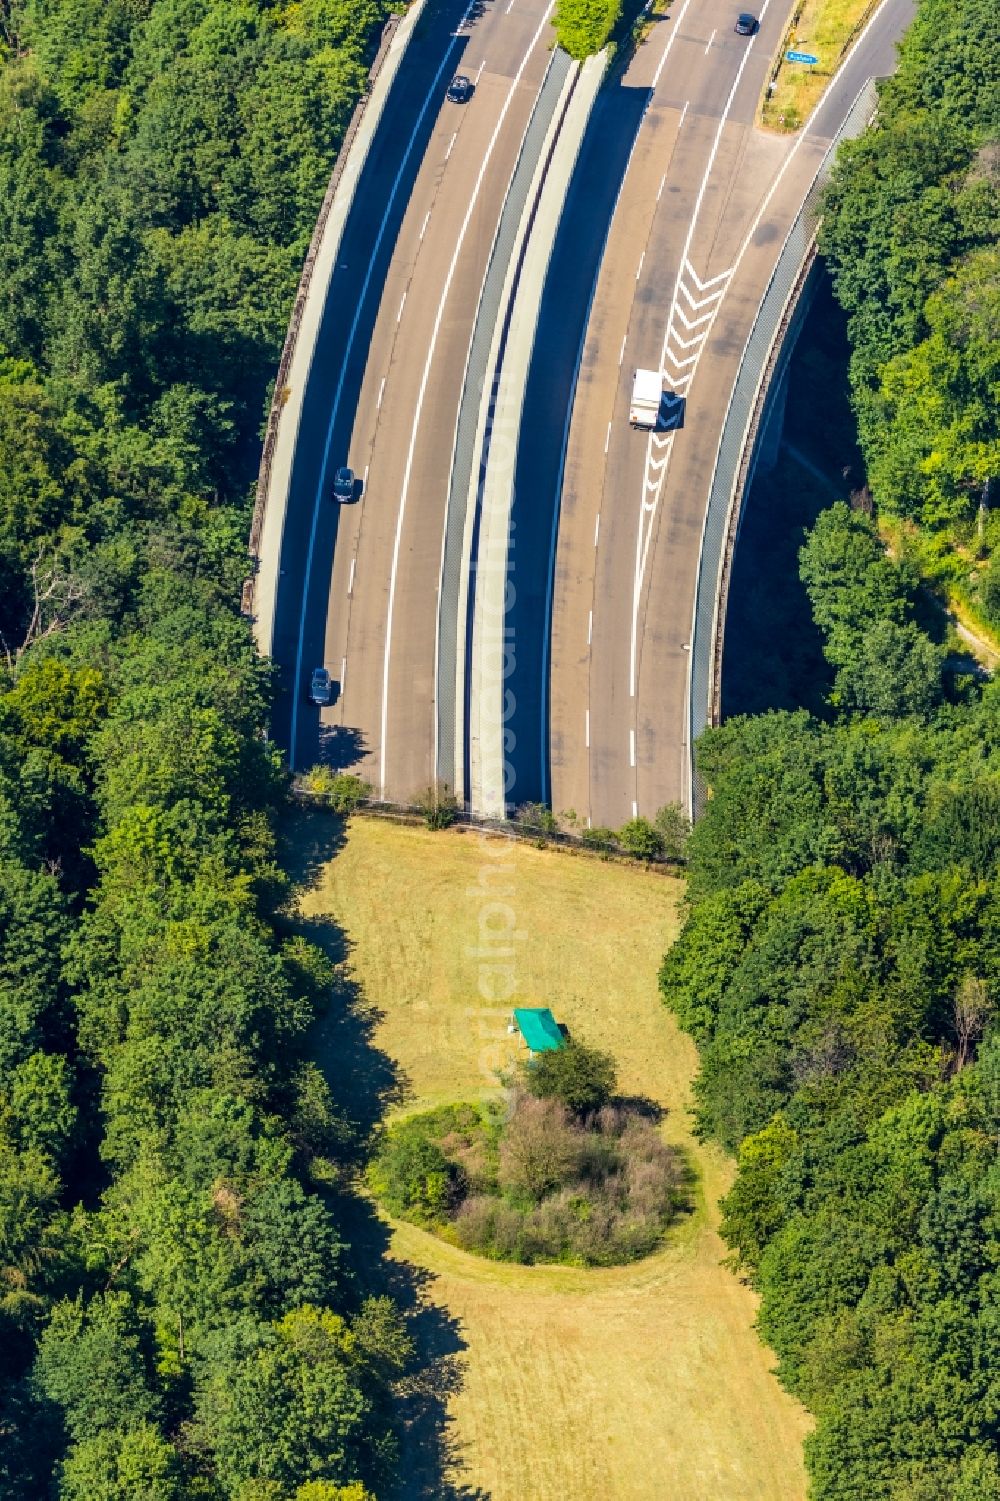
(280, 395)
(740, 434)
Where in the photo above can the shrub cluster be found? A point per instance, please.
(543, 1184)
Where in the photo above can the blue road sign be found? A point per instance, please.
(801, 57)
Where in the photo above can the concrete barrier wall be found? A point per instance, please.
(268, 527)
(500, 423)
(762, 358)
(453, 595)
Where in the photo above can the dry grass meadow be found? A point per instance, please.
(824, 29)
(644, 1383)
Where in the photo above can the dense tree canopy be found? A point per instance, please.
(168, 1269)
(911, 228)
(840, 970)
(840, 967)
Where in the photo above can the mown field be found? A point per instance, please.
(641, 1382)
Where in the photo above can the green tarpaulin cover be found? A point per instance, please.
(539, 1028)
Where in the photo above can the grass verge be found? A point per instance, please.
(825, 29)
(627, 1384)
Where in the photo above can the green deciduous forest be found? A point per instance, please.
(175, 1318)
(911, 235)
(840, 964)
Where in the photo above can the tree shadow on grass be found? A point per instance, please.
(366, 1083)
(431, 1457)
(642, 1106)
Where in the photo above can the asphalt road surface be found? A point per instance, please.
(675, 217)
(704, 210)
(370, 611)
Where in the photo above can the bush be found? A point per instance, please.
(439, 806)
(989, 590)
(603, 840)
(537, 818)
(579, 1077)
(340, 791)
(583, 27)
(673, 827)
(411, 1174)
(639, 839)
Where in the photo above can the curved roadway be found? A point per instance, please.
(674, 220)
(370, 610)
(706, 203)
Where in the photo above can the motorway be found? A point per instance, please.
(674, 219)
(370, 612)
(705, 206)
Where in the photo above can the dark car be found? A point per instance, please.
(460, 89)
(320, 689)
(746, 24)
(343, 485)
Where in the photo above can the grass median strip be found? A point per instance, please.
(823, 29)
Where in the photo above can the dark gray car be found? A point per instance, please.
(343, 485)
(461, 89)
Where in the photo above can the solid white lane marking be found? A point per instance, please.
(350, 581)
(683, 113)
(621, 352)
(639, 271)
(402, 306)
(686, 768)
(423, 227)
(381, 393)
(415, 427)
(590, 626)
(607, 438)
(597, 528)
(451, 146)
(670, 42)
(644, 531)
(710, 41)
(431, 97)
(586, 728)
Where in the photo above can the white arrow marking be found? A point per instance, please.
(687, 343)
(693, 322)
(703, 286)
(712, 297)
